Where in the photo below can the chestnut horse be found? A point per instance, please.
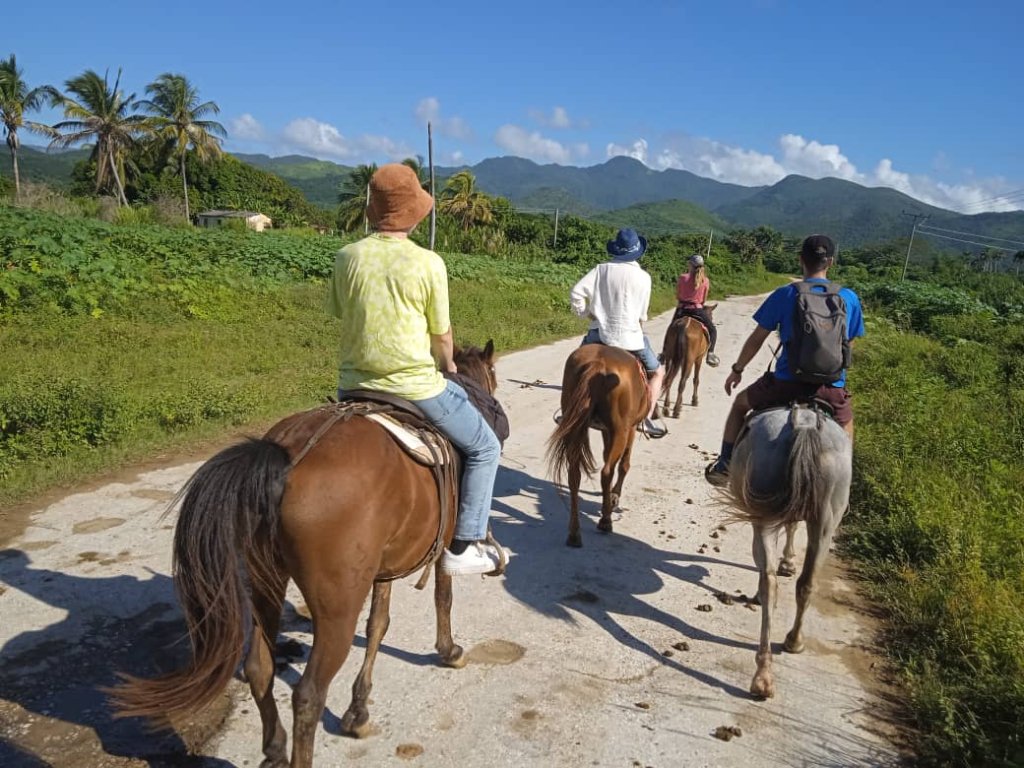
(684, 348)
(353, 514)
(604, 387)
(791, 464)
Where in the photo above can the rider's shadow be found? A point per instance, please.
(55, 673)
(602, 581)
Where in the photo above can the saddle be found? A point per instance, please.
(682, 312)
(819, 408)
(410, 430)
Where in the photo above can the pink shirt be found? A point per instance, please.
(688, 294)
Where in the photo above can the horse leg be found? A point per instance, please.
(574, 540)
(683, 376)
(763, 684)
(624, 465)
(819, 538)
(259, 672)
(696, 377)
(450, 653)
(787, 566)
(356, 720)
(671, 369)
(614, 448)
(335, 612)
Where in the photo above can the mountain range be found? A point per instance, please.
(625, 192)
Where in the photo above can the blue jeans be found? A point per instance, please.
(453, 414)
(646, 355)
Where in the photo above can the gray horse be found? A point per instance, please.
(792, 464)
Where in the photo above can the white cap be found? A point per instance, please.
(697, 260)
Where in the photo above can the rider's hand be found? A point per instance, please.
(731, 381)
(452, 368)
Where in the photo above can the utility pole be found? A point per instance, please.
(556, 229)
(711, 234)
(433, 208)
(918, 218)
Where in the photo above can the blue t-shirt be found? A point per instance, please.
(776, 314)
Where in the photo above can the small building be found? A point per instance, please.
(253, 220)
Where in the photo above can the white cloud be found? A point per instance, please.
(559, 118)
(812, 158)
(246, 128)
(321, 139)
(637, 150)
(532, 145)
(429, 111)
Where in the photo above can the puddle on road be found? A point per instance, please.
(98, 524)
(495, 652)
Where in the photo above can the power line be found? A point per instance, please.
(996, 198)
(978, 206)
(918, 219)
(929, 228)
(959, 240)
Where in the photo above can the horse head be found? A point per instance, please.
(478, 364)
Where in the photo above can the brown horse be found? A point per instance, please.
(353, 514)
(606, 388)
(686, 344)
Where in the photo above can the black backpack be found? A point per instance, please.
(818, 349)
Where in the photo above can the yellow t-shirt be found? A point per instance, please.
(390, 295)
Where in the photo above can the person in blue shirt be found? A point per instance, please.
(781, 387)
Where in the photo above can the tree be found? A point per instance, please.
(16, 98)
(103, 114)
(1018, 259)
(422, 172)
(353, 196)
(176, 119)
(463, 202)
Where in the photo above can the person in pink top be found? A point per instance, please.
(692, 292)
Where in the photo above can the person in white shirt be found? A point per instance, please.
(615, 296)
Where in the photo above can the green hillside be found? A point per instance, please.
(670, 217)
(856, 215)
(40, 166)
(318, 180)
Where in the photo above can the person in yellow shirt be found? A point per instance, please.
(391, 296)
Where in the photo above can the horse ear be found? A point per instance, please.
(489, 349)
(711, 307)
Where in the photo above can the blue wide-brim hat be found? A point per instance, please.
(627, 245)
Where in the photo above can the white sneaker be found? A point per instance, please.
(478, 558)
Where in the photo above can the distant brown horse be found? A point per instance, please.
(604, 387)
(686, 344)
(353, 514)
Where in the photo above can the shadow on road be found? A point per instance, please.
(53, 674)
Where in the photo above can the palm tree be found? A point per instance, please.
(463, 202)
(353, 196)
(104, 114)
(177, 114)
(422, 173)
(15, 100)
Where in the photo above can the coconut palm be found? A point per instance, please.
(422, 173)
(16, 98)
(353, 196)
(463, 202)
(177, 120)
(101, 113)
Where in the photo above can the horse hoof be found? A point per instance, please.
(793, 645)
(456, 659)
(356, 725)
(786, 568)
(574, 541)
(675, 414)
(274, 763)
(604, 527)
(762, 687)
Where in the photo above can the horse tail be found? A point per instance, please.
(569, 446)
(224, 543)
(674, 353)
(808, 484)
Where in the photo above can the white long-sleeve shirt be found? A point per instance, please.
(616, 296)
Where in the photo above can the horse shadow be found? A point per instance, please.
(50, 678)
(606, 579)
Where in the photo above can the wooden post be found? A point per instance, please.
(556, 229)
(430, 162)
(711, 234)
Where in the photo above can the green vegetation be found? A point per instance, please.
(663, 218)
(939, 490)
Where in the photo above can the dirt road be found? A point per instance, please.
(624, 653)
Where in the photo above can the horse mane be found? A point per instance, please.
(478, 364)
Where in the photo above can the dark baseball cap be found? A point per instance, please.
(818, 248)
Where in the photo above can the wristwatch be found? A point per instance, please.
(737, 369)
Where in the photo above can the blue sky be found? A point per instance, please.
(922, 97)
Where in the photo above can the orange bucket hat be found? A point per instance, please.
(397, 200)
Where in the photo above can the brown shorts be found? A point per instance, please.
(769, 392)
